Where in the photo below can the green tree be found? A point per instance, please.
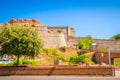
(115, 37)
(89, 36)
(19, 41)
(85, 43)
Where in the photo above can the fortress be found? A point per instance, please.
(57, 36)
(52, 36)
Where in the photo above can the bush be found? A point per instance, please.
(26, 62)
(15, 62)
(87, 60)
(77, 59)
(85, 43)
(63, 48)
(21, 61)
(60, 31)
(72, 59)
(46, 50)
(35, 62)
(61, 58)
(1, 64)
(54, 53)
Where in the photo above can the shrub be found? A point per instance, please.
(63, 48)
(21, 61)
(15, 62)
(54, 53)
(72, 59)
(26, 62)
(1, 64)
(60, 31)
(46, 50)
(61, 58)
(87, 60)
(35, 62)
(85, 43)
(77, 59)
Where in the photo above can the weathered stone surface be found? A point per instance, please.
(57, 36)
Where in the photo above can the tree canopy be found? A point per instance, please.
(89, 37)
(115, 37)
(20, 40)
(85, 43)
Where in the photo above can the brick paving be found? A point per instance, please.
(117, 77)
(56, 78)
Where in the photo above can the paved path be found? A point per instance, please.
(56, 78)
(117, 74)
(117, 77)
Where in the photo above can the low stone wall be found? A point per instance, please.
(59, 70)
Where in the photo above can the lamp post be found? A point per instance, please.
(102, 54)
(109, 57)
(94, 46)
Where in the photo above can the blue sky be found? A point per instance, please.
(99, 18)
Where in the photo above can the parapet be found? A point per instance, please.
(31, 23)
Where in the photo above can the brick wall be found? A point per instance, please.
(104, 58)
(117, 68)
(59, 70)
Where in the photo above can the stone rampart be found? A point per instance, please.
(51, 39)
(111, 44)
(101, 43)
(55, 40)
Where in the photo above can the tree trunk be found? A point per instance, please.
(18, 60)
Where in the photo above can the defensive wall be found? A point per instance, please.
(56, 36)
(101, 44)
(52, 38)
(113, 45)
(66, 30)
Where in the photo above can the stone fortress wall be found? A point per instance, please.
(57, 36)
(53, 37)
(113, 45)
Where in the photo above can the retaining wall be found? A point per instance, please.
(59, 70)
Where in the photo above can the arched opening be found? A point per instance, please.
(112, 61)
